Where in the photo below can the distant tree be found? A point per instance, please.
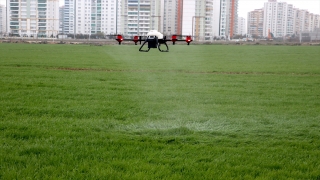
(100, 35)
(255, 36)
(237, 36)
(80, 36)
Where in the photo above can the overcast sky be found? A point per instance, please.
(249, 5)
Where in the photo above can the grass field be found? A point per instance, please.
(197, 112)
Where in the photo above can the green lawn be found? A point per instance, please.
(197, 112)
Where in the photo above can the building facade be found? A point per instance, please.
(203, 19)
(61, 18)
(3, 25)
(278, 19)
(313, 22)
(170, 17)
(138, 17)
(227, 16)
(88, 17)
(33, 18)
(255, 23)
(69, 17)
(241, 26)
(301, 20)
(206, 19)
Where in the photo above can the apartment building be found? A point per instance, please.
(301, 20)
(61, 18)
(33, 18)
(209, 9)
(3, 28)
(313, 22)
(69, 17)
(89, 17)
(186, 17)
(138, 17)
(316, 21)
(203, 19)
(193, 18)
(171, 16)
(255, 23)
(241, 26)
(228, 17)
(278, 18)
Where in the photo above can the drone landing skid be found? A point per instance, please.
(163, 50)
(154, 42)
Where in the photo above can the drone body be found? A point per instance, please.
(154, 39)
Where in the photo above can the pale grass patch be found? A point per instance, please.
(162, 125)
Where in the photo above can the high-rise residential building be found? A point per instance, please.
(209, 23)
(233, 19)
(206, 19)
(296, 25)
(313, 22)
(301, 20)
(138, 17)
(31, 18)
(61, 19)
(171, 14)
(193, 18)
(278, 19)
(200, 18)
(255, 23)
(91, 16)
(226, 12)
(241, 26)
(2, 20)
(69, 17)
(316, 21)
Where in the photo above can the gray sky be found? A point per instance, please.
(249, 5)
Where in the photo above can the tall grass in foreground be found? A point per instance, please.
(197, 112)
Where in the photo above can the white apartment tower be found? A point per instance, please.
(278, 19)
(138, 17)
(241, 26)
(61, 19)
(31, 18)
(2, 20)
(89, 17)
(68, 17)
(313, 22)
(170, 17)
(97, 16)
(316, 22)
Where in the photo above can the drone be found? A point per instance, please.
(154, 39)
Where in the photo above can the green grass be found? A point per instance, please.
(197, 112)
